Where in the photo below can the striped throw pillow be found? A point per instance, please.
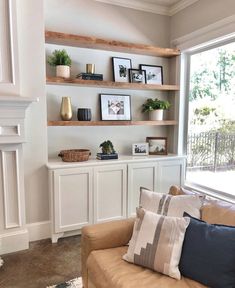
(169, 205)
(157, 242)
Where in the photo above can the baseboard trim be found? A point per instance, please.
(39, 230)
(14, 241)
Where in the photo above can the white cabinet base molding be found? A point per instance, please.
(97, 191)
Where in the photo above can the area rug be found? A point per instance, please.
(74, 283)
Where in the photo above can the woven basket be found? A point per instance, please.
(75, 155)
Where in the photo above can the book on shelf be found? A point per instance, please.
(101, 156)
(90, 76)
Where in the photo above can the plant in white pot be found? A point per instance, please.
(61, 60)
(155, 108)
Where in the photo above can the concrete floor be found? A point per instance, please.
(42, 265)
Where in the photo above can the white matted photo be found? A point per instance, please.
(157, 145)
(154, 74)
(139, 149)
(121, 68)
(115, 107)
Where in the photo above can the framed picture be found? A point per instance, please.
(157, 145)
(154, 74)
(137, 76)
(139, 149)
(120, 69)
(115, 107)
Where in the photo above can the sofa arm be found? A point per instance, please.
(103, 236)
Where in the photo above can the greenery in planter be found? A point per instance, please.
(59, 57)
(155, 104)
(107, 147)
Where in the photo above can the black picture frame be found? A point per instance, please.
(120, 69)
(135, 74)
(154, 74)
(115, 107)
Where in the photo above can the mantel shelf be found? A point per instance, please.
(113, 123)
(110, 84)
(109, 45)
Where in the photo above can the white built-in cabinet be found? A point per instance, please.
(99, 191)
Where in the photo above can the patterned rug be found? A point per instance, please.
(74, 283)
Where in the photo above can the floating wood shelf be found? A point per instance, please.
(110, 45)
(110, 84)
(112, 123)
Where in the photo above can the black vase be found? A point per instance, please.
(84, 114)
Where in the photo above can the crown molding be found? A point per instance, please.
(151, 7)
(180, 6)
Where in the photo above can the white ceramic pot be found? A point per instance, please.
(63, 71)
(156, 115)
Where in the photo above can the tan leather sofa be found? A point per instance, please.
(103, 246)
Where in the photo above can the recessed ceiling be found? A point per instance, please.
(162, 7)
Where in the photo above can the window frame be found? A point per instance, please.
(184, 111)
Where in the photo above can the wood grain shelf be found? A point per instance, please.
(110, 84)
(112, 123)
(109, 45)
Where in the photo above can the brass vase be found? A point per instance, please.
(66, 112)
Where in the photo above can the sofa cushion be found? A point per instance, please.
(208, 254)
(106, 269)
(157, 242)
(169, 205)
(219, 212)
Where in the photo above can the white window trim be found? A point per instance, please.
(210, 37)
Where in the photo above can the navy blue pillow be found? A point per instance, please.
(208, 254)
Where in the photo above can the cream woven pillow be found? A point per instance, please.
(157, 241)
(169, 205)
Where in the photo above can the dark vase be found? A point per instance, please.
(84, 114)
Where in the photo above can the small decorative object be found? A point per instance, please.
(137, 76)
(66, 112)
(120, 69)
(75, 155)
(154, 74)
(108, 151)
(89, 76)
(62, 61)
(139, 149)
(84, 114)
(90, 68)
(115, 107)
(155, 108)
(157, 145)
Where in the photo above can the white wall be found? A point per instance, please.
(32, 83)
(199, 15)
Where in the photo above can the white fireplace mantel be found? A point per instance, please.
(13, 233)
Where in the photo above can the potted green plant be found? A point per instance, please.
(107, 147)
(155, 108)
(61, 60)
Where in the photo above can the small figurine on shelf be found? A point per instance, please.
(108, 151)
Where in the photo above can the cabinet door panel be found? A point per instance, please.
(110, 193)
(139, 175)
(73, 199)
(170, 173)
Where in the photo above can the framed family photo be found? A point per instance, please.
(139, 149)
(121, 67)
(157, 145)
(115, 107)
(154, 74)
(137, 76)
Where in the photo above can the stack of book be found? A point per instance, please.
(101, 156)
(90, 76)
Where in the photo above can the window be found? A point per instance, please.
(211, 120)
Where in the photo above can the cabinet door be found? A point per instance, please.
(110, 193)
(140, 175)
(170, 172)
(72, 198)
